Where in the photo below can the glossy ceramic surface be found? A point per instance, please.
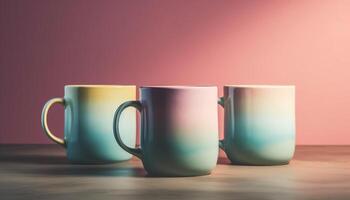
(259, 124)
(88, 132)
(179, 130)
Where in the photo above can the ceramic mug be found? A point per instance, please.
(88, 133)
(179, 130)
(259, 124)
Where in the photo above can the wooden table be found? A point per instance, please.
(42, 172)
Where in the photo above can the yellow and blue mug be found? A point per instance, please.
(88, 133)
(259, 124)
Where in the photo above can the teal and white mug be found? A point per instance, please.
(259, 124)
(179, 130)
(88, 133)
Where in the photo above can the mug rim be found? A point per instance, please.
(99, 86)
(259, 86)
(177, 87)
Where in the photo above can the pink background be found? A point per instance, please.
(47, 44)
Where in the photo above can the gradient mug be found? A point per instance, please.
(88, 133)
(259, 124)
(179, 130)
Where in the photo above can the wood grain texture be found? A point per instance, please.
(42, 172)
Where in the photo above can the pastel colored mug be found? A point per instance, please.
(179, 130)
(259, 124)
(88, 133)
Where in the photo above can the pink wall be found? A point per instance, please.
(47, 44)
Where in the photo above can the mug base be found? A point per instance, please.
(96, 162)
(260, 163)
(150, 174)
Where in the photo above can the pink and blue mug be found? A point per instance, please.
(179, 130)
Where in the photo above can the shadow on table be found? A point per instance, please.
(58, 165)
(34, 159)
(91, 170)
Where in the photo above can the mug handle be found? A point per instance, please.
(221, 102)
(134, 151)
(44, 125)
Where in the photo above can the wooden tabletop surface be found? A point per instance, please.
(42, 172)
